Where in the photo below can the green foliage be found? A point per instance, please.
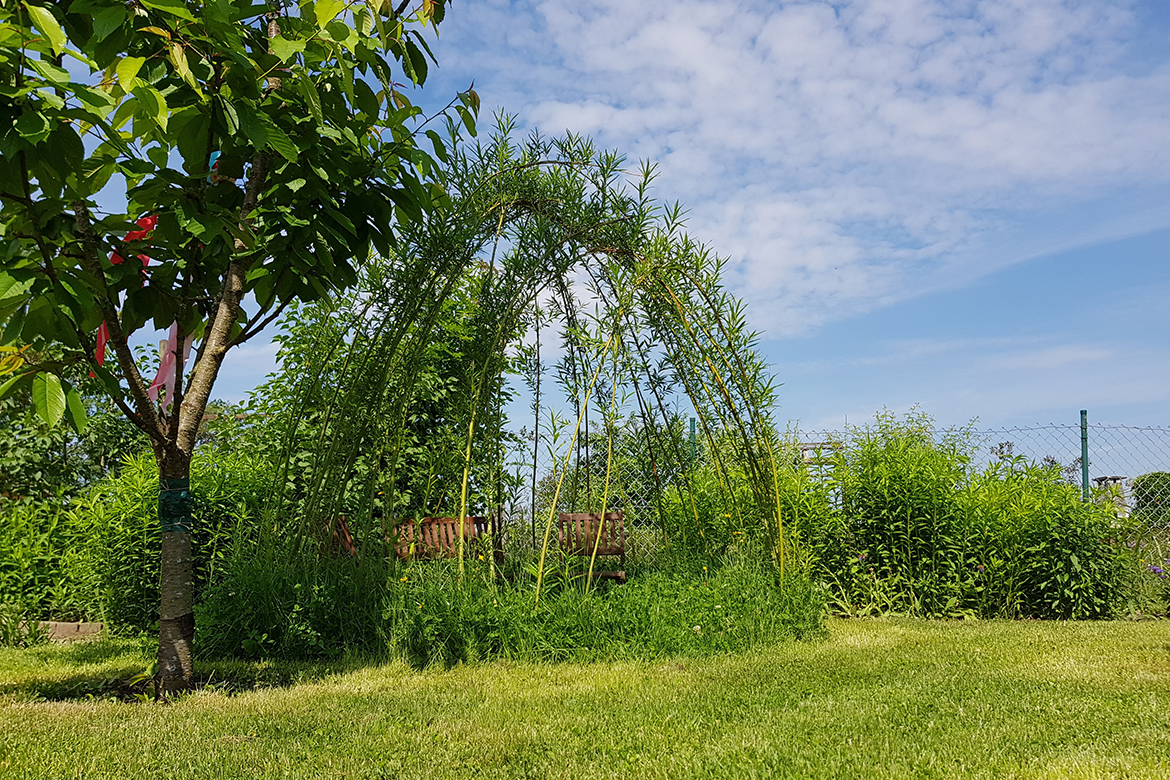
(17, 630)
(333, 163)
(899, 496)
(274, 604)
(273, 601)
(44, 563)
(917, 532)
(1037, 550)
(1151, 498)
(119, 521)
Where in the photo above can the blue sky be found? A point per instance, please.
(961, 204)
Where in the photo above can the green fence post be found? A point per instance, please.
(1085, 455)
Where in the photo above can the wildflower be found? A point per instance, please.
(861, 558)
(403, 579)
(979, 567)
(481, 557)
(704, 568)
(698, 629)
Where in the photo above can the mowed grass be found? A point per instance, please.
(877, 698)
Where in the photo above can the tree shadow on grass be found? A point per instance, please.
(121, 670)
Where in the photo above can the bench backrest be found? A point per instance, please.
(438, 537)
(578, 532)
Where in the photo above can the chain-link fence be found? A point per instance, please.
(1128, 465)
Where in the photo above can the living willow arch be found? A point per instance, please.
(643, 316)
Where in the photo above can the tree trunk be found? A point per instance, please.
(176, 619)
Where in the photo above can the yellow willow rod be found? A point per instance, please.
(690, 491)
(727, 395)
(751, 409)
(474, 413)
(568, 454)
(608, 468)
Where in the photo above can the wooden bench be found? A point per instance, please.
(578, 534)
(438, 537)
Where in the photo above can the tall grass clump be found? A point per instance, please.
(277, 606)
(276, 601)
(731, 607)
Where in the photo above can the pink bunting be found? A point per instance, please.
(168, 363)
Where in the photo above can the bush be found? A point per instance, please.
(42, 570)
(917, 533)
(899, 537)
(1037, 550)
(118, 518)
(272, 601)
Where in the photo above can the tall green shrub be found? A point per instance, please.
(42, 563)
(118, 519)
(1035, 549)
(901, 520)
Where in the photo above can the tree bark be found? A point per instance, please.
(176, 619)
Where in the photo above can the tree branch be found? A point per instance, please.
(147, 417)
(218, 338)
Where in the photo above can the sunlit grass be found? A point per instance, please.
(880, 698)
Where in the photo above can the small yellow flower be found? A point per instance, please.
(403, 579)
(704, 568)
(481, 557)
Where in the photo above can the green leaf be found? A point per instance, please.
(312, 97)
(278, 140)
(284, 48)
(418, 62)
(48, 397)
(75, 409)
(172, 7)
(51, 73)
(326, 10)
(437, 142)
(8, 385)
(178, 58)
(46, 24)
(108, 20)
(127, 71)
(253, 124)
(10, 288)
(154, 104)
(33, 127)
(468, 119)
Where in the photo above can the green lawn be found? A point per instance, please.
(878, 698)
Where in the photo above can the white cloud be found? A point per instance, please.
(850, 154)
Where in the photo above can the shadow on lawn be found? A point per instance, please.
(123, 672)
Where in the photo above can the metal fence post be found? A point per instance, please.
(1085, 455)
